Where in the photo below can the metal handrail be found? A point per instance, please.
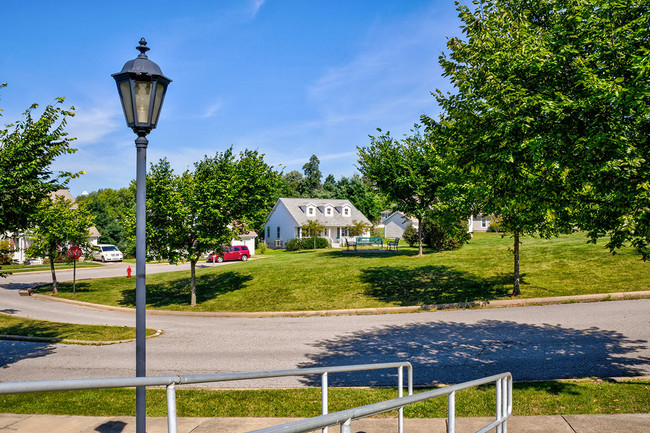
(344, 418)
(172, 381)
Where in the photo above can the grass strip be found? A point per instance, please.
(17, 269)
(17, 326)
(530, 398)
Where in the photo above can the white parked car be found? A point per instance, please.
(107, 253)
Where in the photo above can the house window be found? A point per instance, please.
(328, 211)
(268, 232)
(298, 232)
(278, 236)
(346, 211)
(310, 211)
(484, 222)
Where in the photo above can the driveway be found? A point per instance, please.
(607, 339)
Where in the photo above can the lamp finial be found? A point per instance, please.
(143, 48)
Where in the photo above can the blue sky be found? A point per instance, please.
(288, 78)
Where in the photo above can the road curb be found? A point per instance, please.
(618, 296)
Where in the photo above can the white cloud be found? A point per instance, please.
(212, 109)
(256, 5)
(90, 126)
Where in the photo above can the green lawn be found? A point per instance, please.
(15, 269)
(335, 279)
(534, 398)
(10, 325)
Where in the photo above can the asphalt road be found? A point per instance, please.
(607, 339)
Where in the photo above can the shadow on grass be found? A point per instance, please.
(453, 352)
(433, 285)
(369, 253)
(178, 291)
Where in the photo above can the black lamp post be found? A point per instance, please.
(142, 88)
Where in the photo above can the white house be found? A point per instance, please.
(289, 214)
(480, 223)
(396, 223)
(20, 242)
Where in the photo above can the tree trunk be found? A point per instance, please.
(515, 290)
(420, 237)
(193, 282)
(54, 288)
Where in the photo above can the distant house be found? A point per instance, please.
(285, 220)
(396, 223)
(480, 223)
(19, 243)
(247, 239)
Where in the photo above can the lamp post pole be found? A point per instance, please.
(142, 88)
(140, 281)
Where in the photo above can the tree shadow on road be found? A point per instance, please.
(177, 291)
(433, 285)
(14, 351)
(444, 353)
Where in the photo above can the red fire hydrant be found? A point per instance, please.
(128, 272)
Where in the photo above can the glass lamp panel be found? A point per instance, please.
(160, 92)
(127, 103)
(142, 100)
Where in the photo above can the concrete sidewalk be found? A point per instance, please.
(623, 423)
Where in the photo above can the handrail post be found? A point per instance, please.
(409, 370)
(346, 427)
(400, 393)
(171, 408)
(499, 408)
(324, 397)
(451, 412)
(506, 396)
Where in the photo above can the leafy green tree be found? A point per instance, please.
(414, 175)
(310, 184)
(59, 223)
(111, 208)
(27, 149)
(198, 212)
(313, 229)
(550, 116)
(363, 196)
(357, 228)
(290, 184)
(330, 187)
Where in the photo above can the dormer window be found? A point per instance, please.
(329, 211)
(346, 211)
(311, 210)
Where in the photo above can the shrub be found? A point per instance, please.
(444, 237)
(293, 245)
(377, 232)
(308, 243)
(410, 236)
(262, 247)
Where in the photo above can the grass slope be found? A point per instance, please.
(537, 398)
(335, 279)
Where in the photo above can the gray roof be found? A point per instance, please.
(297, 208)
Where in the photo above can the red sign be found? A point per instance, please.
(74, 252)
